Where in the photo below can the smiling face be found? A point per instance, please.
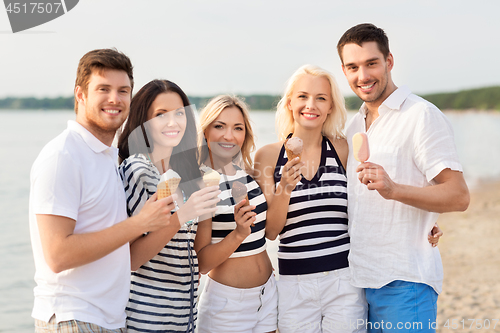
(311, 101)
(166, 121)
(226, 134)
(105, 106)
(368, 72)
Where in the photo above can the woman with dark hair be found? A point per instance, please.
(161, 135)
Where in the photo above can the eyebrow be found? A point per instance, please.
(366, 61)
(305, 92)
(162, 109)
(108, 85)
(223, 123)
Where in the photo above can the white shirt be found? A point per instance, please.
(76, 176)
(413, 141)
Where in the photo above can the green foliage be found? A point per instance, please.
(353, 102)
(255, 102)
(479, 99)
(35, 103)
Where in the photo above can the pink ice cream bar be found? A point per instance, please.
(360, 147)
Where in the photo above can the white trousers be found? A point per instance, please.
(235, 310)
(321, 302)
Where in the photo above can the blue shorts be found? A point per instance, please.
(402, 306)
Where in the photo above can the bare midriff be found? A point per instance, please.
(244, 272)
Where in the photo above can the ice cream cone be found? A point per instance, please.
(290, 155)
(168, 184)
(211, 178)
(239, 192)
(168, 187)
(293, 148)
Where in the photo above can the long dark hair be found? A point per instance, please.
(184, 159)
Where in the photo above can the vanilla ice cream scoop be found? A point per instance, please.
(211, 177)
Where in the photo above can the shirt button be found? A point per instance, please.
(325, 273)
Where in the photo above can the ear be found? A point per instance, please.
(80, 95)
(344, 70)
(390, 61)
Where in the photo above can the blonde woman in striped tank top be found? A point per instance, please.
(240, 294)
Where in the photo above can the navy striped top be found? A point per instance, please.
(223, 221)
(315, 237)
(161, 289)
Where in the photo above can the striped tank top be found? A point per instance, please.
(164, 290)
(315, 237)
(223, 221)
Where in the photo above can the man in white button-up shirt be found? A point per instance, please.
(413, 174)
(79, 228)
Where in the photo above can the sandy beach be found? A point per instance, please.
(470, 250)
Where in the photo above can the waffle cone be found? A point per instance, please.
(238, 199)
(167, 188)
(290, 155)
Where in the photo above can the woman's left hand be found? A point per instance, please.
(244, 217)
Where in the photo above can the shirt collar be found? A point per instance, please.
(94, 143)
(396, 99)
(393, 102)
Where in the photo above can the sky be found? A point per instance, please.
(252, 47)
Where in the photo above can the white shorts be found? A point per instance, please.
(234, 310)
(321, 302)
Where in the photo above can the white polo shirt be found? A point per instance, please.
(413, 141)
(76, 176)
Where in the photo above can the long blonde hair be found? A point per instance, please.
(335, 121)
(210, 113)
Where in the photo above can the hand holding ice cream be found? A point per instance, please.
(243, 214)
(291, 173)
(239, 193)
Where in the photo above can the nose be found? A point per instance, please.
(310, 103)
(228, 135)
(364, 74)
(114, 97)
(169, 118)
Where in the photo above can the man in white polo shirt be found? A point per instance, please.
(413, 174)
(78, 219)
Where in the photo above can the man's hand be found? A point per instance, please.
(155, 214)
(375, 178)
(449, 192)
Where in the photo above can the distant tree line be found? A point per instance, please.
(37, 103)
(479, 99)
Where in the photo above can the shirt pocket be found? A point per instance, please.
(387, 157)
